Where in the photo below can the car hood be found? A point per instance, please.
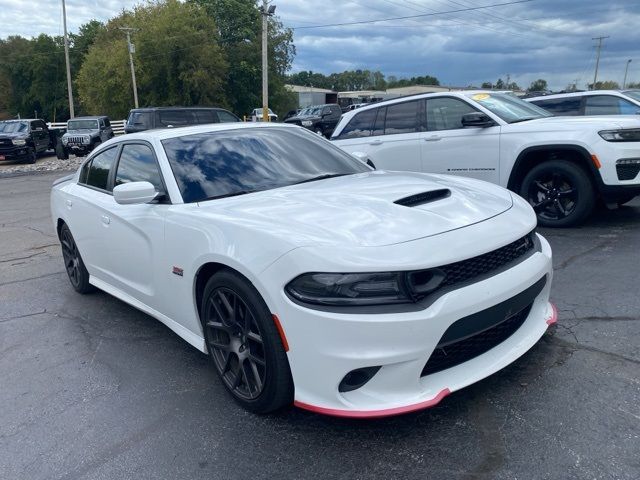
(303, 117)
(10, 136)
(596, 121)
(359, 210)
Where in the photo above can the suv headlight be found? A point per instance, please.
(377, 288)
(19, 141)
(622, 135)
(65, 140)
(307, 123)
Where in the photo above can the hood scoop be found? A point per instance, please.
(424, 197)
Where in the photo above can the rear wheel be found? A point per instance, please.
(244, 344)
(77, 272)
(560, 192)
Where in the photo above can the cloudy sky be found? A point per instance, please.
(549, 39)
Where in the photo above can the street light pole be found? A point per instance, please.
(266, 12)
(626, 70)
(66, 57)
(131, 49)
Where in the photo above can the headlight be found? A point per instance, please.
(624, 135)
(65, 140)
(307, 123)
(378, 288)
(86, 140)
(19, 141)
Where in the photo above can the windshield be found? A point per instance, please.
(219, 164)
(508, 107)
(259, 111)
(82, 124)
(635, 94)
(14, 127)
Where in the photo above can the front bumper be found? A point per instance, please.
(15, 153)
(325, 346)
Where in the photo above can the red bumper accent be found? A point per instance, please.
(389, 412)
(554, 315)
(283, 337)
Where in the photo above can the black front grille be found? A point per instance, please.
(473, 267)
(469, 348)
(627, 171)
(478, 333)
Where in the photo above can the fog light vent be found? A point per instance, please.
(357, 378)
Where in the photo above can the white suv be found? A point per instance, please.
(561, 165)
(594, 102)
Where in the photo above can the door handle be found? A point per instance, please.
(376, 142)
(433, 138)
(106, 220)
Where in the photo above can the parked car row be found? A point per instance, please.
(320, 119)
(595, 102)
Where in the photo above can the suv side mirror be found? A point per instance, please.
(364, 158)
(134, 193)
(477, 119)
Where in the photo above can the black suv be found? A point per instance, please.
(321, 119)
(83, 135)
(141, 119)
(23, 140)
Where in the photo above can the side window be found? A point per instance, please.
(98, 175)
(34, 125)
(402, 118)
(360, 125)
(41, 124)
(138, 164)
(101, 123)
(140, 119)
(226, 117)
(175, 118)
(206, 116)
(84, 172)
(602, 105)
(107, 122)
(378, 126)
(446, 113)
(561, 106)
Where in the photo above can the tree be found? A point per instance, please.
(178, 60)
(487, 85)
(606, 85)
(539, 85)
(499, 85)
(633, 85)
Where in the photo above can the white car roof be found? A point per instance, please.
(578, 94)
(162, 134)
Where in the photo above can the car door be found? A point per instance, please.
(89, 209)
(389, 135)
(39, 135)
(450, 148)
(135, 233)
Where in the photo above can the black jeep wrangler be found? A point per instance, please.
(83, 135)
(23, 140)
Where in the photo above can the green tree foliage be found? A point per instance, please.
(178, 60)
(352, 80)
(633, 85)
(538, 85)
(239, 24)
(606, 85)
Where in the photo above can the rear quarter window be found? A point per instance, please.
(561, 106)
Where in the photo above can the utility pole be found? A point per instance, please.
(66, 57)
(266, 12)
(132, 50)
(626, 70)
(599, 47)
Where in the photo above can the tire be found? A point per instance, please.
(61, 152)
(76, 271)
(248, 355)
(33, 156)
(560, 192)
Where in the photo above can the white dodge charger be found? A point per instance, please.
(308, 277)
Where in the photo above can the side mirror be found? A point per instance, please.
(364, 158)
(477, 119)
(134, 193)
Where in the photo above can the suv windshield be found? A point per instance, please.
(508, 107)
(14, 127)
(221, 164)
(82, 124)
(635, 94)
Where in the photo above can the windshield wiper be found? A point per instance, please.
(320, 177)
(225, 195)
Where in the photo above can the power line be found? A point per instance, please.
(407, 17)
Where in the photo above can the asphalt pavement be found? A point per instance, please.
(91, 388)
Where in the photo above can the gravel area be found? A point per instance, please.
(43, 164)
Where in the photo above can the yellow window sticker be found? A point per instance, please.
(478, 97)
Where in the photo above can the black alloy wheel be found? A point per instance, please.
(236, 343)
(560, 193)
(33, 156)
(77, 272)
(244, 344)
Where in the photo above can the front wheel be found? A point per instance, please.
(560, 192)
(77, 272)
(61, 152)
(244, 344)
(32, 156)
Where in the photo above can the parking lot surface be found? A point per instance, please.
(91, 388)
